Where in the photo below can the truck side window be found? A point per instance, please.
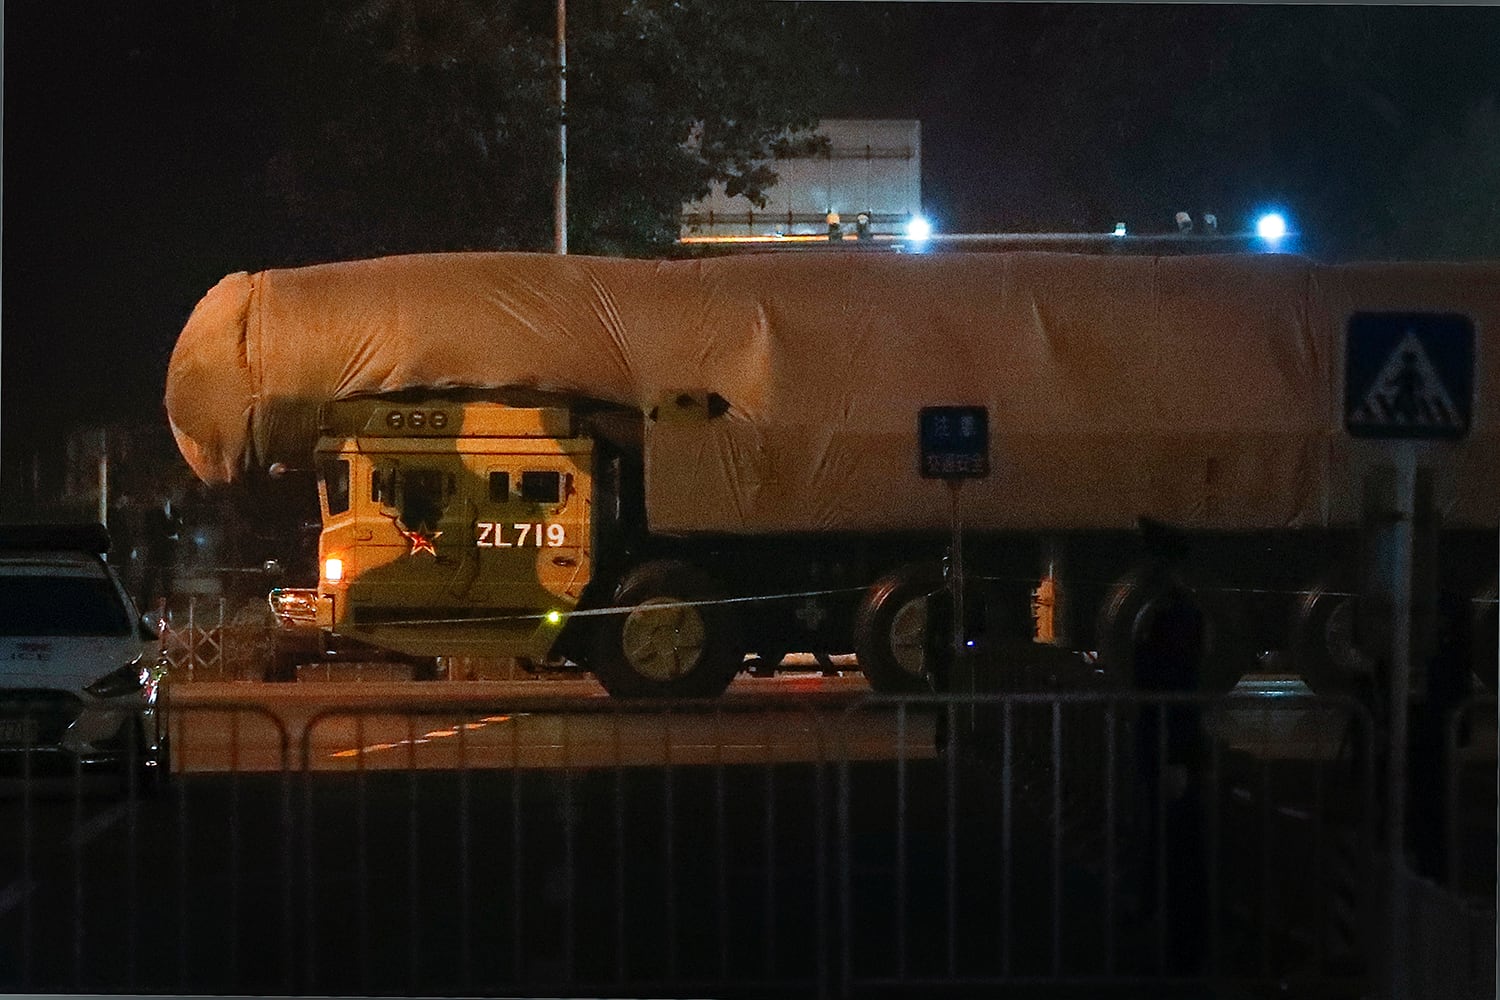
(335, 476)
(541, 487)
(499, 487)
(381, 490)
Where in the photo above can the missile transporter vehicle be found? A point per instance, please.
(653, 470)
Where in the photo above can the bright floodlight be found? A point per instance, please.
(918, 229)
(1270, 227)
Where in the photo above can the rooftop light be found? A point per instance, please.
(1271, 227)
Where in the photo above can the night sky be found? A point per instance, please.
(134, 137)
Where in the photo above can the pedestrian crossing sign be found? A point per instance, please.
(1409, 375)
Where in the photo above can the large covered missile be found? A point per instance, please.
(1204, 391)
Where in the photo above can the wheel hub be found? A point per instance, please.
(663, 638)
(909, 636)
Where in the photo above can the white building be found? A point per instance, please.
(871, 167)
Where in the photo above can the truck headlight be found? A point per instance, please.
(333, 569)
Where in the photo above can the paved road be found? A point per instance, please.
(219, 727)
(572, 723)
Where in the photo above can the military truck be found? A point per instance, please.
(652, 469)
(460, 525)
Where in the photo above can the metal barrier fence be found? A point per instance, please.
(210, 638)
(796, 846)
(1469, 801)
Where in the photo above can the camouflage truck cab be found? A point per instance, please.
(452, 528)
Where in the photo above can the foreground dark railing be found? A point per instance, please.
(783, 845)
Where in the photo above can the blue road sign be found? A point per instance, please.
(955, 442)
(1409, 375)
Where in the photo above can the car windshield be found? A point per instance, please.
(68, 605)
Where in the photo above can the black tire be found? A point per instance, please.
(1321, 638)
(890, 629)
(149, 775)
(1130, 612)
(159, 777)
(682, 649)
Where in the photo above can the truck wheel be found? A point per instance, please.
(1321, 638)
(890, 629)
(1130, 616)
(666, 644)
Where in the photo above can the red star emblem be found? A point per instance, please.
(420, 542)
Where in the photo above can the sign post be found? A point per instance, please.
(955, 445)
(1408, 378)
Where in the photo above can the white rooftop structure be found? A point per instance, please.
(871, 166)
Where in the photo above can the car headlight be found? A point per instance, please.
(129, 679)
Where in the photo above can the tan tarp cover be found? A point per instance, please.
(1206, 391)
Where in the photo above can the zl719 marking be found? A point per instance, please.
(492, 535)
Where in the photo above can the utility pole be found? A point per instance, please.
(2, 140)
(104, 476)
(560, 192)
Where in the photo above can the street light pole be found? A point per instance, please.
(560, 192)
(2, 141)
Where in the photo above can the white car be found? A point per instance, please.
(80, 671)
